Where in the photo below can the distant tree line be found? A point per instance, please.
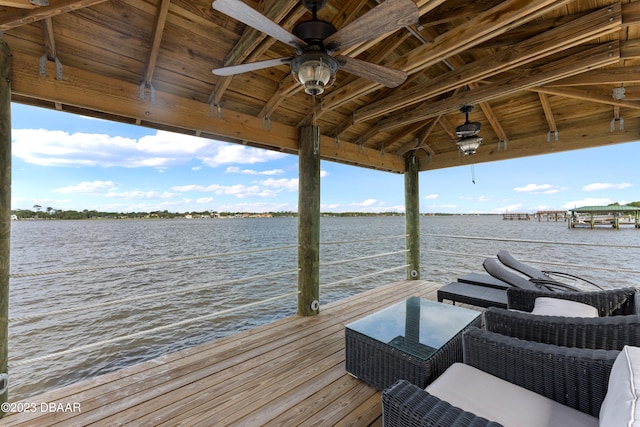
(50, 213)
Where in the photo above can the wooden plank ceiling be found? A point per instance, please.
(540, 74)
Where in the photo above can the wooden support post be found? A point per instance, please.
(309, 221)
(5, 210)
(412, 217)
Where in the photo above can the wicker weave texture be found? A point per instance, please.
(607, 333)
(612, 302)
(574, 377)
(380, 365)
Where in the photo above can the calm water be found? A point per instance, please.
(44, 246)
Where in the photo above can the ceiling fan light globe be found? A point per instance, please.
(469, 145)
(314, 72)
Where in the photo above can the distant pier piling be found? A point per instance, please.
(516, 216)
(551, 215)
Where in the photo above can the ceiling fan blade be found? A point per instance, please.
(389, 77)
(251, 66)
(244, 13)
(382, 19)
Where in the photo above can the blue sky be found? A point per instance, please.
(65, 161)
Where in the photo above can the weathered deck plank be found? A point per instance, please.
(289, 372)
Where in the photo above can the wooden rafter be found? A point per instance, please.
(610, 75)
(548, 112)
(499, 19)
(400, 134)
(569, 35)
(599, 56)
(251, 39)
(49, 38)
(21, 4)
(602, 96)
(420, 141)
(15, 18)
(156, 39)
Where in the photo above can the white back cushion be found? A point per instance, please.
(620, 406)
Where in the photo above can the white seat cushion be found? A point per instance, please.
(497, 400)
(621, 406)
(547, 306)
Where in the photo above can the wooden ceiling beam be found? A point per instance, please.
(497, 20)
(609, 75)
(402, 133)
(20, 4)
(17, 17)
(156, 39)
(600, 56)
(585, 133)
(100, 94)
(601, 96)
(574, 33)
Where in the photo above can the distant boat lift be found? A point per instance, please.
(613, 216)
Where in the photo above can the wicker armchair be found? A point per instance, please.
(574, 377)
(619, 324)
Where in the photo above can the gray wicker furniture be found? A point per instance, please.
(610, 302)
(575, 378)
(415, 340)
(617, 326)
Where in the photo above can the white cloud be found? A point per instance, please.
(431, 196)
(223, 153)
(204, 200)
(161, 150)
(366, 203)
(597, 186)
(586, 202)
(287, 184)
(137, 194)
(87, 187)
(238, 190)
(235, 169)
(538, 188)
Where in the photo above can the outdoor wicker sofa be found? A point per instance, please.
(618, 323)
(511, 382)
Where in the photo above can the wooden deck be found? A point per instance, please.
(289, 372)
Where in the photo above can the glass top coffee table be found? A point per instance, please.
(415, 340)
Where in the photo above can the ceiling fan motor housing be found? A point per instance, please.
(314, 32)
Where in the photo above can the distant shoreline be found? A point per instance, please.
(29, 215)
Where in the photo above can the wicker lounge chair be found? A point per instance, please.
(618, 323)
(566, 377)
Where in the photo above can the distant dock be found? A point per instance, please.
(551, 215)
(516, 216)
(610, 216)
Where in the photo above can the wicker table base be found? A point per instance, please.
(381, 363)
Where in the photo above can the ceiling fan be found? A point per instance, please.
(315, 41)
(468, 141)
